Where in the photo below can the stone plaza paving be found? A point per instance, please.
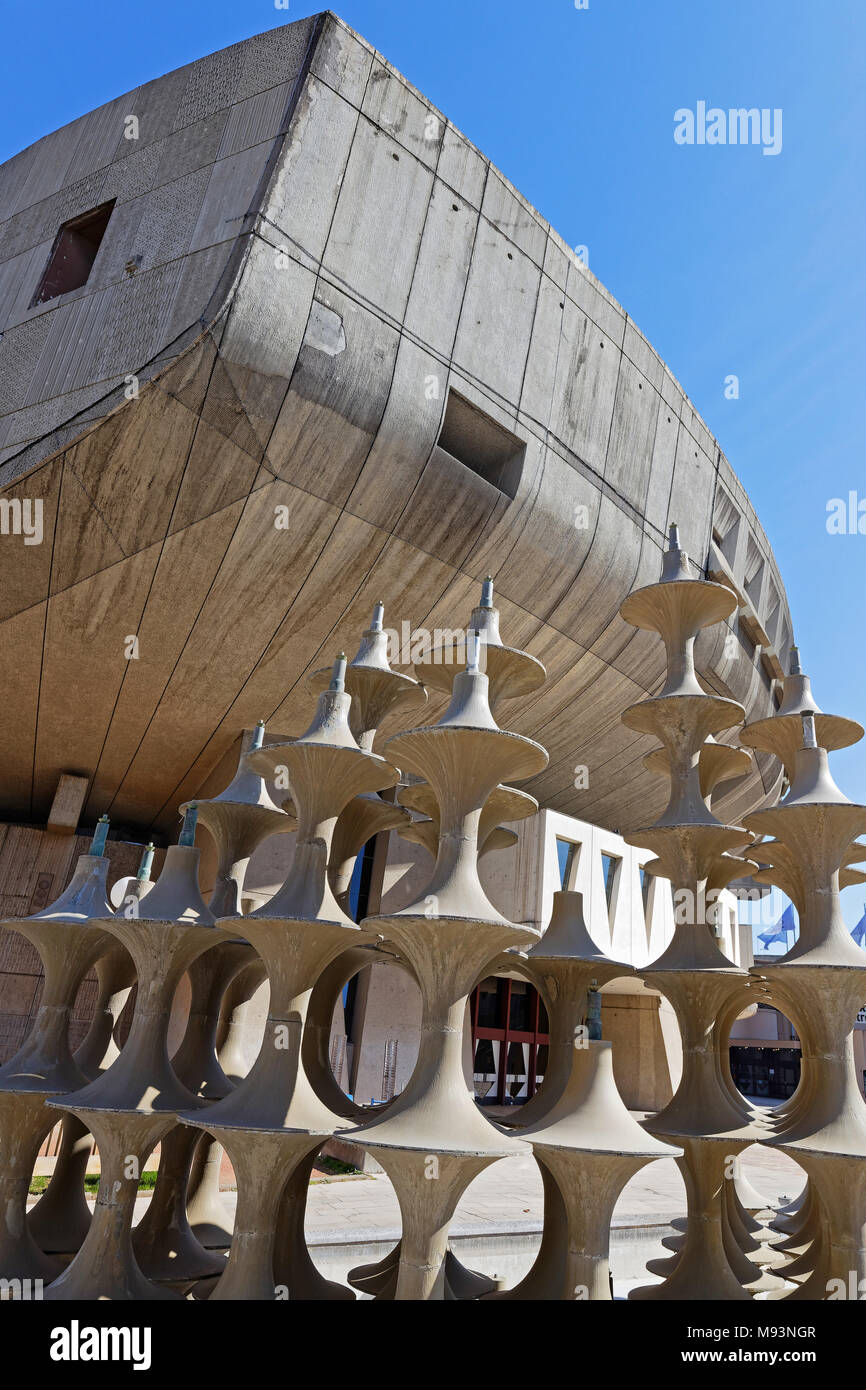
(508, 1196)
(499, 1217)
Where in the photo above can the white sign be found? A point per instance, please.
(861, 1017)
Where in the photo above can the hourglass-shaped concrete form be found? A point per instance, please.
(240, 819)
(376, 692)
(61, 1218)
(781, 735)
(132, 1106)
(586, 1143)
(274, 1120)
(433, 1141)
(510, 672)
(591, 1147)
(692, 972)
(166, 1248)
(717, 763)
(209, 1216)
(821, 983)
(69, 942)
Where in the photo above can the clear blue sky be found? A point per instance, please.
(732, 262)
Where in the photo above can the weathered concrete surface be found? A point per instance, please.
(322, 258)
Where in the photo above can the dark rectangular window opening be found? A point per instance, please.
(73, 253)
(611, 865)
(645, 885)
(481, 444)
(567, 854)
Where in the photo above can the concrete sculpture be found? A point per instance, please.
(432, 1139)
(698, 980)
(61, 1218)
(274, 1120)
(819, 983)
(586, 1143)
(69, 942)
(134, 1104)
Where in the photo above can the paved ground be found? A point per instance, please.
(497, 1224)
(508, 1196)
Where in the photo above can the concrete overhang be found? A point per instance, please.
(237, 443)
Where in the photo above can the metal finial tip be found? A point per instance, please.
(100, 835)
(796, 668)
(473, 650)
(338, 673)
(258, 737)
(378, 615)
(487, 592)
(810, 738)
(674, 534)
(146, 861)
(187, 833)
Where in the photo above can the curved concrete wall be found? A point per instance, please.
(380, 262)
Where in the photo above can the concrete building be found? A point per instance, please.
(279, 342)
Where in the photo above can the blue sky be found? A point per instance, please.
(731, 261)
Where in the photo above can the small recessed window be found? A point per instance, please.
(567, 854)
(611, 865)
(481, 444)
(73, 253)
(645, 885)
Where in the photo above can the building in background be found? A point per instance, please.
(279, 342)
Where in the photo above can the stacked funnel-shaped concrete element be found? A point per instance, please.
(719, 763)
(69, 943)
(510, 673)
(586, 1143)
(782, 735)
(433, 1140)
(240, 819)
(209, 1216)
(689, 842)
(166, 1247)
(133, 1106)
(590, 1146)
(61, 1218)
(376, 692)
(820, 984)
(516, 673)
(274, 1120)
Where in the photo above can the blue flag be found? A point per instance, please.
(780, 932)
(859, 932)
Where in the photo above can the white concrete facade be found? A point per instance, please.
(521, 882)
